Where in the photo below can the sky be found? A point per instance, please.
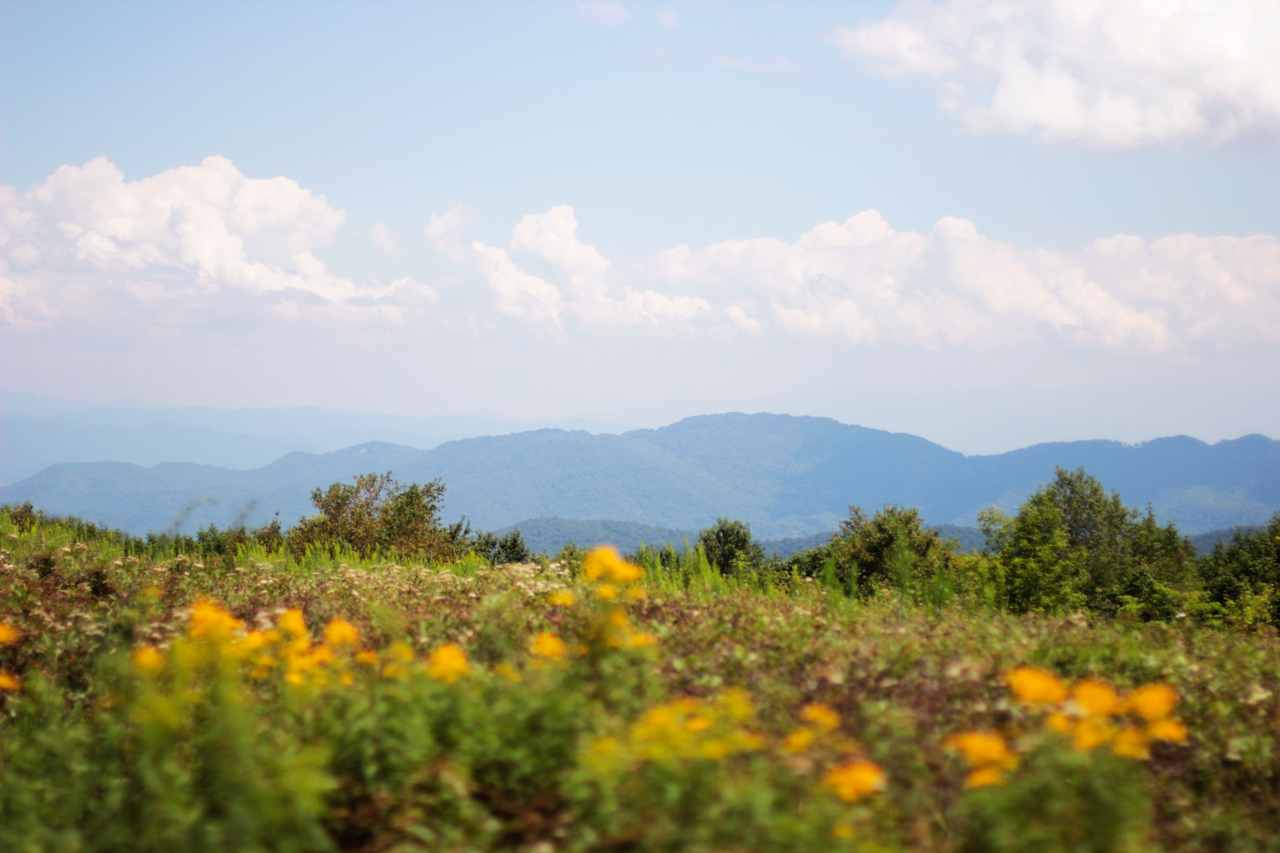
(986, 222)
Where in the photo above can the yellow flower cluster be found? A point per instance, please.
(9, 635)
(1093, 714)
(988, 756)
(684, 729)
(855, 780)
(612, 582)
(287, 650)
(819, 720)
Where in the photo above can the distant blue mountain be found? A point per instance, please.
(786, 476)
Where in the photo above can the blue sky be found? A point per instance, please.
(1056, 224)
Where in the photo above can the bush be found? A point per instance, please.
(730, 548)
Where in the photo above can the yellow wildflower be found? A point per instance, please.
(1171, 731)
(400, 652)
(562, 598)
(212, 621)
(599, 562)
(984, 777)
(448, 663)
(1153, 702)
(736, 704)
(1096, 698)
(292, 622)
(507, 672)
(606, 592)
(9, 683)
(636, 593)
(982, 749)
(1058, 722)
(697, 724)
(367, 657)
(714, 749)
(641, 640)
(798, 741)
(147, 659)
(1035, 686)
(1130, 742)
(822, 716)
(547, 646)
(605, 563)
(854, 780)
(9, 635)
(624, 572)
(340, 633)
(1092, 732)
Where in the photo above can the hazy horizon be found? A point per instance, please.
(988, 230)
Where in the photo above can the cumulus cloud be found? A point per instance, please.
(605, 13)
(444, 232)
(586, 289)
(1118, 75)
(864, 281)
(86, 236)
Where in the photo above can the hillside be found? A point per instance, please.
(786, 476)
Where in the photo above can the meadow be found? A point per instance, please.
(155, 700)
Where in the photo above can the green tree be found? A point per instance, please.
(375, 514)
(730, 548)
(1074, 545)
(1244, 573)
(893, 548)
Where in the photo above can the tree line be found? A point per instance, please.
(1070, 547)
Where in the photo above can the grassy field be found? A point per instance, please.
(156, 703)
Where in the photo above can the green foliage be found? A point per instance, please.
(1073, 546)
(729, 547)
(1243, 576)
(892, 550)
(1060, 799)
(377, 515)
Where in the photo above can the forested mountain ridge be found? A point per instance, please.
(787, 476)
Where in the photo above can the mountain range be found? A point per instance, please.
(786, 476)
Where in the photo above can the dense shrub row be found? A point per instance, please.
(1070, 547)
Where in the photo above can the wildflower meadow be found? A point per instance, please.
(594, 702)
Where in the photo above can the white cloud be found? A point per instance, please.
(194, 243)
(588, 294)
(445, 231)
(517, 293)
(606, 13)
(1118, 75)
(865, 281)
(384, 238)
(87, 236)
(743, 319)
